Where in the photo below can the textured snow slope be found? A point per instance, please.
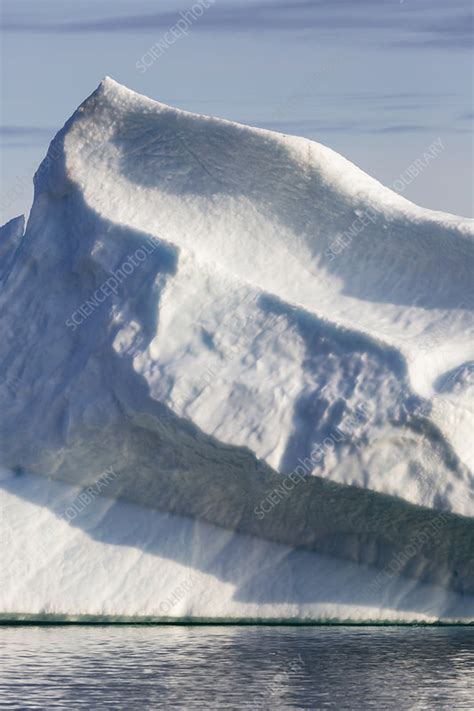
(118, 560)
(10, 236)
(217, 311)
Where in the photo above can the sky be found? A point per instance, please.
(376, 80)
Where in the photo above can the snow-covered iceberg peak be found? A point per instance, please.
(284, 214)
(247, 330)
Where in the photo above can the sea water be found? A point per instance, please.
(236, 667)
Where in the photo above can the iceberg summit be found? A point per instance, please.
(236, 383)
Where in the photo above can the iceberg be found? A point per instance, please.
(236, 382)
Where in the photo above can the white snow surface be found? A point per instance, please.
(122, 561)
(281, 311)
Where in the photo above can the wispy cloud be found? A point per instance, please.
(451, 31)
(424, 24)
(316, 128)
(366, 112)
(350, 127)
(25, 136)
(402, 128)
(19, 131)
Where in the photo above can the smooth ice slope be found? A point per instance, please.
(282, 318)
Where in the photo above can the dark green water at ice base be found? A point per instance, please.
(196, 667)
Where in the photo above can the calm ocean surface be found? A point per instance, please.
(132, 667)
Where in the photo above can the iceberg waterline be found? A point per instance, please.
(171, 314)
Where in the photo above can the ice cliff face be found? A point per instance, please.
(249, 332)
